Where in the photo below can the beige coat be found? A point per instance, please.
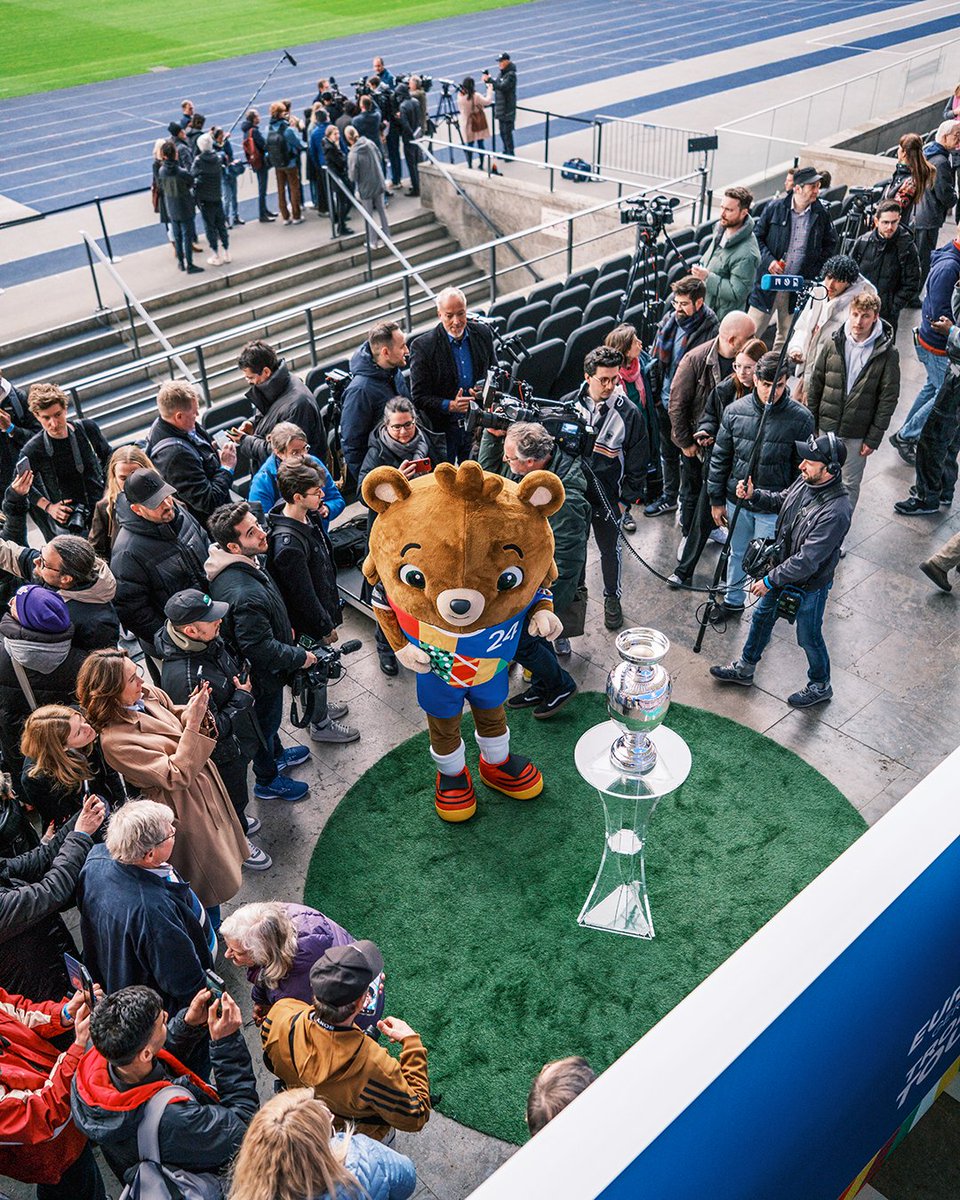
(476, 103)
(170, 764)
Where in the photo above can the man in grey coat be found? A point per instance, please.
(366, 175)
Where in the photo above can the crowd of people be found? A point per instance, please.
(320, 157)
(148, 644)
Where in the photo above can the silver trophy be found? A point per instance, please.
(638, 697)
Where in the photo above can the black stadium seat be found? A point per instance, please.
(587, 338)
(543, 365)
(620, 263)
(528, 314)
(545, 291)
(504, 308)
(560, 324)
(616, 281)
(587, 276)
(571, 297)
(603, 306)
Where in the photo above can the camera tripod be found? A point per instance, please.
(644, 270)
(447, 114)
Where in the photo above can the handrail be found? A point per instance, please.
(131, 299)
(807, 96)
(476, 207)
(649, 124)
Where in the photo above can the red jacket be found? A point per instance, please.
(38, 1139)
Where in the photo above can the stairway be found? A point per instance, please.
(222, 302)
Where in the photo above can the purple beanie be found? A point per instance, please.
(41, 610)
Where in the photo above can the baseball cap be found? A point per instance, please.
(193, 605)
(174, 129)
(817, 449)
(147, 487)
(345, 972)
(806, 175)
(503, 56)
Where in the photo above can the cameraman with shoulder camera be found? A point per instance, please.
(300, 559)
(618, 464)
(888, 257)
(815, 514)
(445, 363)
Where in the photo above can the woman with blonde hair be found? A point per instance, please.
(63, 765)
(164, 750)
(104, 527)
(290, 1152)
(278, 944)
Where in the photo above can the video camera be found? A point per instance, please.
(499, 410)
(308, 681)
(652, 214)
(448, 85)
(361, 87)
(334, 91)
(426, 81)
(865, 199)
(337, 381)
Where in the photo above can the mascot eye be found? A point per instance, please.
(413, 576)
(509, 579)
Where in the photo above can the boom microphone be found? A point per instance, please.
(784, 283)
(289, 57)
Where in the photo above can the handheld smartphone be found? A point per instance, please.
(23, 464)
(374, 992)
(421, 466)
(80, 980)
(217, 987)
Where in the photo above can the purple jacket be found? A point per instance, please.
(315, 935)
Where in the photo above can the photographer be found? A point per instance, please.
(888, 257)
(377, 376)
(410, 117)
(815, 515)
(68, 460)
(260, 629)
(275, 394)
(523, 448)
(445, 363)
(300, 559)
(618, 465)
(505, 98)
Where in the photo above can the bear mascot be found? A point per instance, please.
(458, 561)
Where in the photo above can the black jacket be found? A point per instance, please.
(433, 372)
(390, 453)
(191, 465)
(206, 171)
(773, 237)
(718, 401)
(363, 402)
(618, 463)
(938, 200)
(151, 562)
(184, 668)
(93, 452)
(893, 267)
(776, 467)
(334, 158)
(813, 522)
(505, 94)
(59, 804)
(176, 183)
(300, 559)
(23, 427)
(258, 623)
(34, 887)
(284, 397)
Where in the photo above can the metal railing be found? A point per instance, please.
(303, 319)
(643, 150)
(770, 137)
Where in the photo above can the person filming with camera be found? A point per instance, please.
(796, 571)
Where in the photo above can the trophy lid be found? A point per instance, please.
(642, 645)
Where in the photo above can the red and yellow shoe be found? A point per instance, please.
(516, 777)
(456, 800)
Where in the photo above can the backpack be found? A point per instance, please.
(151, 1179)
(254, 157)
(349, 542)
(278, 152)
(578, 170)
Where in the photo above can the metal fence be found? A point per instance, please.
(647, 152)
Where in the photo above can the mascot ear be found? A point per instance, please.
(385, 486)
(540, 489)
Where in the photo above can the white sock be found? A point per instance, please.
(450, 764)
(494, 750)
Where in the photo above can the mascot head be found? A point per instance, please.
(461, 549)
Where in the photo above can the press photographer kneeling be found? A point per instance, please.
(797, 566)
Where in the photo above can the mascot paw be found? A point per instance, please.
(456, 799)
(516, 777)
(545, 624)
(414, 659)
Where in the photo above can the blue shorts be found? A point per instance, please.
(439, 699)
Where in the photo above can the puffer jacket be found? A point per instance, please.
(282, 397)
(363, 403)
(176, 183)
(866, 411)
(384, 1174)
(265, 491)
(776, 468)
(892, 265)
(819, 321)
(205, 169)
(733, 268)
(151, 562)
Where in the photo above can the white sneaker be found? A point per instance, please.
(718, 535)
(257, 859)
(214, 260)
(225, 256)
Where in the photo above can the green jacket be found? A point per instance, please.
(866, 411)
(733, 269)
(570, 523)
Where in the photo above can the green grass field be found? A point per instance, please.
(61, 43)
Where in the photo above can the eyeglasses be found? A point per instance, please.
(314, 492)
(170, 835)
(404, 425)
(45, 566)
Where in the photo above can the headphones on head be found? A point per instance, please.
(834, 465)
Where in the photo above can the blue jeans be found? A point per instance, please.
(540, 659)
(228, 195)
(936, 368)
(269, 709)
(809, 632)
(749, 525)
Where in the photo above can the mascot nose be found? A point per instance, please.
(460, 607)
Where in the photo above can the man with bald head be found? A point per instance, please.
(445, 365)
(698, 374)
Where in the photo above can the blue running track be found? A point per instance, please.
(64, 148)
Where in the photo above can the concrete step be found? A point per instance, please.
(41, 361)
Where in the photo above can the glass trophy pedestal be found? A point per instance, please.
(618, 900)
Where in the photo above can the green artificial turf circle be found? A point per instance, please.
(478, 922)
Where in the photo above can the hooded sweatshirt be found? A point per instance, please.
(364, 400)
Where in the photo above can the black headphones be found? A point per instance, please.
(834, 466)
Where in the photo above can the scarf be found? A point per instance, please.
(666, 332)
(417, 447)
